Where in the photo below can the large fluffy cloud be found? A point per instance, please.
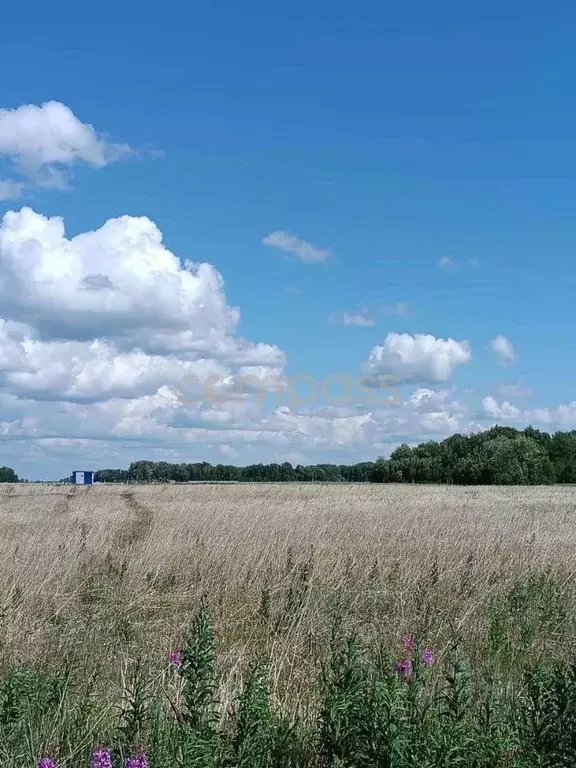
(44, 142)
(113, 305)
(118, 282)
(419, 358)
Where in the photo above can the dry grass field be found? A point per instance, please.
(112, 572)
(317, 584)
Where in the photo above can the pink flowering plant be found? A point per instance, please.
(371, 705)
(101, 758)
(405, 666)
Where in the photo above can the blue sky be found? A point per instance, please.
(394, 137)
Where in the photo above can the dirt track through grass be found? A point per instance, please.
(139, 523)
(63, 505)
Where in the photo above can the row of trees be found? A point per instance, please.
(162, 471)
(499, 456)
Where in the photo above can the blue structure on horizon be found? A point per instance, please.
(83, 477)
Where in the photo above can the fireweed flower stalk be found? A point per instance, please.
(403, 668)
(427, 658)
(46, 762)
(409, 643)
(137, 761)
(101, 758)
(176, 659)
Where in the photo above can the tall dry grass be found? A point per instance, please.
(108, 573)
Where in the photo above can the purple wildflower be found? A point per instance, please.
(403, 668)
(137, 761)
(101, 758)
(46, 762)
(428, 658)
(409, 643)
(176, 659)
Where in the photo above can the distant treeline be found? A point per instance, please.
(498, 456)
(162, 471)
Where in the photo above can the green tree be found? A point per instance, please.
(563, 456)
(7, 475)
(517, 461)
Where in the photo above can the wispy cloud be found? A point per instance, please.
(446, 262)
(514, 389)
(397, 308)
(504, 350)
(10, 190)
(306, 252)
(365, 317)
(360, 319)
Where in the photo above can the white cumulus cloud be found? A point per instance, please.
(44, 142)
(114, 314)
(308, 253)
(504, 410)
(421, 357)
(562, 416)
(117, 281)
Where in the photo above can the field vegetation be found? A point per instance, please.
(304, 625)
